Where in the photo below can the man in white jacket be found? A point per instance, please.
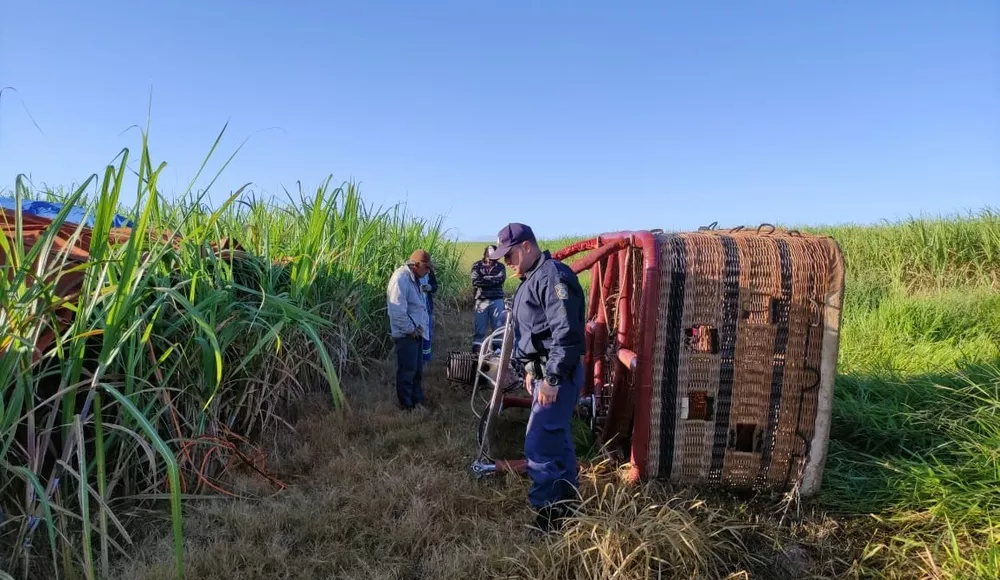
(409, 326)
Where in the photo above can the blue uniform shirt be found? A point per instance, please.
(549, 317)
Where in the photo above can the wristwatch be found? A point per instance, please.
(552, 380)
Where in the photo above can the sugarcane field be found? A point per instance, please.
(479, 291)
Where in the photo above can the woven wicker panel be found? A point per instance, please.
(698, 368)
(738, 355)
(656, 403)
(663, 411)
(759, 323)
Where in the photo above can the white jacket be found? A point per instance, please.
(406, 304)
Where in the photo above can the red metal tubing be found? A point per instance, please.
(647, 338)
(601, 333)
(624, 297)
(628, 358)
(598, 255)
(573, 249)
(588, 358)
(589, 330)
(615, 428)
(591, 363)
(600, 343)
(610, 278)
(593, 300)
(516, 402)
(512, 402)
(518, 466)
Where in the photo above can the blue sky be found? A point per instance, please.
(575, 117)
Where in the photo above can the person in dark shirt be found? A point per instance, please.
(429, 286)
(549, 313)
(488, 277)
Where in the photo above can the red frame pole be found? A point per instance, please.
(648, 305)
(602, 334)
(598, 255)
(590, 332)
(576, 248)
(616, 426)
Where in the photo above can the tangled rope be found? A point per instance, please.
(226, 450)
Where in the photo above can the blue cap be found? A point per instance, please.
(511, 235)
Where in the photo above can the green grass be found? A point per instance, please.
(176, 352)
(916, 426)
(948, 251)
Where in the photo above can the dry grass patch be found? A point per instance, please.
(622, 533)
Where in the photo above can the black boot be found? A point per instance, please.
(570, 506)
(543, 519)
(552, 517)
(560, 513)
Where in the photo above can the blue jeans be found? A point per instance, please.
(409, 371)
(489, 312)
(548, 445)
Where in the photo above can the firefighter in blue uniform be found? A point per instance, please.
(548, 323)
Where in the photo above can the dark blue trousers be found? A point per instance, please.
(548, 445)
(409, 371)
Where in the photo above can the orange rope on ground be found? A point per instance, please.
(257, 461)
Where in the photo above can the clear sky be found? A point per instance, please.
(576, 117)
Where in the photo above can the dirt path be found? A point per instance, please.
(374, 493)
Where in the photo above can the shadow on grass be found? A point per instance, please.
(896, 441)
(918, 455)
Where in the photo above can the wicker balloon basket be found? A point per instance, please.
(712, 354)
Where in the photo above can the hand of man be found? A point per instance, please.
(528, 380)
(547, 394)
(417, 332)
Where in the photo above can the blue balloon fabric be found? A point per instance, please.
(49, 210)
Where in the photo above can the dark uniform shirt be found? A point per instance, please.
(549, 317)
(433, 283)
(488, 280)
